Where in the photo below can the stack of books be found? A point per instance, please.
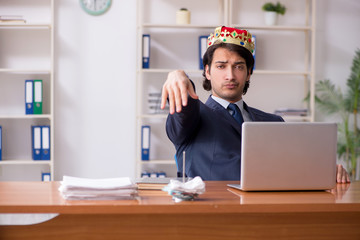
(154, 103)
(152, 183)
(12, 19)
(73, 188)
(291, 112)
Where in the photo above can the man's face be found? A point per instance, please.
(228, 75)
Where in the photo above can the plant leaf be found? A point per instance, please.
(330, 99)
(353, 84)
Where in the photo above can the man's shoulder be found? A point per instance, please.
(259, 115)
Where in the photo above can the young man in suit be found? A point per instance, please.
(210, 133)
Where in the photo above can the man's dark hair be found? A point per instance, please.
(243, 52)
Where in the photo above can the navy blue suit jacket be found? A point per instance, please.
(211, 139)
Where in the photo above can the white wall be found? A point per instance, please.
(95, 81)
(338, 37)
(95, 87)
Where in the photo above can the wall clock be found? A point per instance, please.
(95, 7)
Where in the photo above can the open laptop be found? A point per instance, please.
(279, 156)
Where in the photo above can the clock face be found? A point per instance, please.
(95, 7)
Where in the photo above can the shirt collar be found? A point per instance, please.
(225, 103)
(240, 104)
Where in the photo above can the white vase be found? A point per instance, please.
(271, 18)
(183, 16)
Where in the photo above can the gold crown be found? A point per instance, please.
(231, 35)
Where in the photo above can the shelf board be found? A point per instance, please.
(276, 72)
(167, 70)
(184, 26)
(273, 72)
(19, 70)
(254, 27)
(26, 25)
(25, 162)
(277, 27)
(23, 116)
(157, 161)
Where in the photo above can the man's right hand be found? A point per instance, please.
(176, 89)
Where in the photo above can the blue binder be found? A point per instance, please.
(146, 51)
(46, 177)
(29, 97)
(36, 142)
(145, 143)
(45, 142)
(145, 174)
(0, 143)
(202, 50)
(161, 174)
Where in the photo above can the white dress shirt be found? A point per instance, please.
(240, 104)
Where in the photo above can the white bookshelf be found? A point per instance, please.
(27, 53)
(306, 28)
(246, 14)
(42, 116)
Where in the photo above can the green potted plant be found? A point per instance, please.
(272, 12)
(346, 106)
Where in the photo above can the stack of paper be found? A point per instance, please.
(73, 188)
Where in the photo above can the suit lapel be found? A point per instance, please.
(223, 113)
(252, 115)
(256, 116)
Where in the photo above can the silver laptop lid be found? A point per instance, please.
(288, 156)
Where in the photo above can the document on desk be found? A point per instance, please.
(74, 188)
(12, 219)
(155, 183)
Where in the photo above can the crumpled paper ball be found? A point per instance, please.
(185, 191)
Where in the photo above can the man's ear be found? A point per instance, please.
(207, 72)
(248, 76)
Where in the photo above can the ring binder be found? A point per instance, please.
(45, 141)
(46, 177)
(36, 142)
(202, 50)
(145, 143)
(38, 96)
(146, 51)
(29, 96)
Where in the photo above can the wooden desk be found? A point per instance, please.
(220, 213)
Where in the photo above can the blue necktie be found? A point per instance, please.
(236, 113)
